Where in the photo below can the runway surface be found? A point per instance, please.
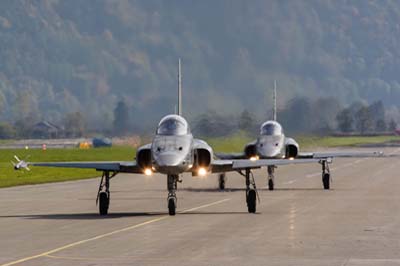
(357, 222)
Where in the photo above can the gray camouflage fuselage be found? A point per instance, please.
(173, 149)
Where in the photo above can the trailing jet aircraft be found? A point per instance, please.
(273, 144)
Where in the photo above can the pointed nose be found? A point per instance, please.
(170, 163)
(269, 152)
(168, 159)
(270, 146)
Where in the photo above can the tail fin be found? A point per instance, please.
(179, 88)
(274, 97)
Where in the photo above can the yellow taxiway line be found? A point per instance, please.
(107, 234)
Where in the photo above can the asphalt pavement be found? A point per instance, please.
(357, 222)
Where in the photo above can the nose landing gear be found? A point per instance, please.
(172, 200)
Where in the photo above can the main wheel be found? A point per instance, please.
(104, 202)
(171, 206)
(251, 201)
(270, 184)
(221, 181)
(326, 178)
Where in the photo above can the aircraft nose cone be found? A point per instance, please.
(168, 159)
(269, 152)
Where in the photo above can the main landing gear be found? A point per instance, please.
(251, 191)
(172, 186)
(271, 172)
(103, 194)
(221, 181)
(326, 175)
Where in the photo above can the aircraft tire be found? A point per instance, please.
(221, 181)
(104, 202)
(326, 181)
(171, 206)
(270, 184)
(251, 201)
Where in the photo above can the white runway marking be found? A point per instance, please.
(108, 234)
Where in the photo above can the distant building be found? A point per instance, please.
(47, 130)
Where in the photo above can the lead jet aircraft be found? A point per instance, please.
(272, 144)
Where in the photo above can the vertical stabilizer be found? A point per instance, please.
(274, 111)
(179, 88)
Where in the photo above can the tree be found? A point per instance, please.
(345, 120)
(296, 118)
(392, 125)
(377, 111)
(121, 118)
(246, 121)
(74, 124)
(380, 125)
(211, 124)
(7, 131)
(364, 120)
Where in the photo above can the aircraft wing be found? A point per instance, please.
(230, 156)
(342, 154)
(220, 166)
(122, 167)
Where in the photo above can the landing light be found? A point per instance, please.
(202, 171)
(291, 158)
(254, 158)
(148, 171)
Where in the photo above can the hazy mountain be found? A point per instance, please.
(59, 56)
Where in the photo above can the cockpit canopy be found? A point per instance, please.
(173, 125)
(271, 128)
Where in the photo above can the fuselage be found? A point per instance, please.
(174, 150)
(271, 143)
(171, 148)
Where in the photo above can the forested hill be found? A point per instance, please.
(61, 56)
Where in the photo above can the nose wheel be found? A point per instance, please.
(172, 205)
(172, 200)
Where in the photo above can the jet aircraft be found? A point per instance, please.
(273, 144)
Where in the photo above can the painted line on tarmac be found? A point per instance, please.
(289, 182)
(108, 234)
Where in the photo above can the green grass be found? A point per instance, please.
(312, 142)
(233, 143)
(10, 177)
(237, 142)
(37, 175)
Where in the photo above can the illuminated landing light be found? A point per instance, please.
(190, 166)
(254, 158)
(148, 172)
(291, 158)
(202, 171)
